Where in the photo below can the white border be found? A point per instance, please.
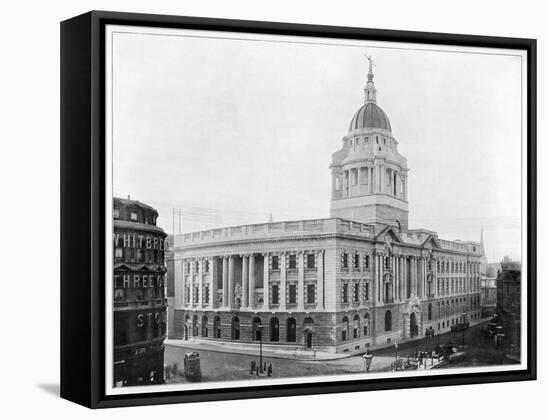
(122, 29)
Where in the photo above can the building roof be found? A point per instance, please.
(370, 115)
(129, 202)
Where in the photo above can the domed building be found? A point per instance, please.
(356, 280)
(369, 175)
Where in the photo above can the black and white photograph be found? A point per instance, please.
(290, 209)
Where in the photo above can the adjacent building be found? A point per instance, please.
(139, 302)
(488, 283)
(358, 279)
(509, 299)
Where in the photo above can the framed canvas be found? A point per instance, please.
(257, 209)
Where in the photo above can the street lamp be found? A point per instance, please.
(260, 328)
(396, 347)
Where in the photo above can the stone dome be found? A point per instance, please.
(370, 115)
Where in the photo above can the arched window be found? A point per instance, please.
(235, 328)
(217, 327)
(356, 322)
(429, 311)
(387, 321)
(256, 332)
(291, 330)
(204, 326)
(366, 325)
(345, 328)
(274, 329)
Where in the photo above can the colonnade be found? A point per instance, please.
(202, 274)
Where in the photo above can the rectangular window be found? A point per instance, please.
(206, 266)
(356, 261)
(133, 216)
(345, 293)
(206, 294)
(292, 262)
(366, 262)
(310, 261)
(356, 292)
(310, 293)
(292, 293)
(118, 253)
(345, 261)
(275, 262)
(116, 213)
(275, 294)
(366, 291)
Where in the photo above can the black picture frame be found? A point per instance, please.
(83, 203)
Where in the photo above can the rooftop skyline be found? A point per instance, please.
(246, 129)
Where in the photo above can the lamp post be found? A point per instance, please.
(260, 331)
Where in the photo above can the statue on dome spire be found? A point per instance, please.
(371, 65)
(370, 90)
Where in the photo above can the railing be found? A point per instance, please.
(278, 229)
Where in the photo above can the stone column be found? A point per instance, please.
(231, 282)
(179, 284)
(192, 284)
(320, 280)
(266, 281)
(201, 269)
(211, 286)
(402, 280)
(224, 281)
(414, 270)
(282, 265)
(300, 295)
(375, 178)
(244, 282)
(251, 281)
(378, 277)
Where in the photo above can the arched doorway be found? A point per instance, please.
(195, 325)
(356, 322)
(413, 328)
(186, 323)
(309, 339)
(345, 328)
(235, 328)
(217, 327)
(256, 333)
(291, 330)
(204, 326)
(308, 333)
(366, 324)
(274, 329)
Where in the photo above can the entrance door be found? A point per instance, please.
(309, 339)
(413, 327)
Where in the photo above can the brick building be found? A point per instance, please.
(358, 279)
(139, 302)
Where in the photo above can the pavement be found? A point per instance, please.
(295, 353)
(226, 366)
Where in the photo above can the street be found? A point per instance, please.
(225, 366)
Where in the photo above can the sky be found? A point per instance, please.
(230, 131)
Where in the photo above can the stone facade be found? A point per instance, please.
(359, 279)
